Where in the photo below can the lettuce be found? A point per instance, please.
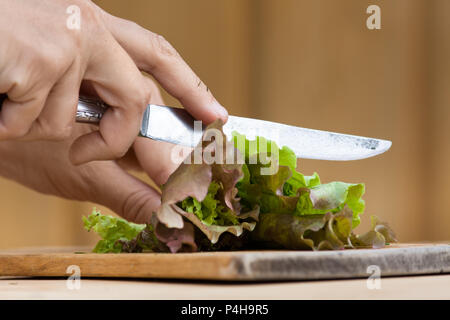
(286, 157)
(210, 211)
(332, 197)
(119, 235)
(112, 230)
(318, 232)
(221, 206)
(276, 193)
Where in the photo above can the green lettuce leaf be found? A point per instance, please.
(210, 211)
(285, 157)
(119, 235)
(297, 180)
(111, 230)
(145, 241)
(278, 192)
(332, 197)
(379, 235)
(318, 232)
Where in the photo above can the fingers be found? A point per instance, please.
(56, 120)
(155, 93)
(157, 158)
(39, 92)
(153, 54)
(48, 115)
(118, 82)
(17, 117)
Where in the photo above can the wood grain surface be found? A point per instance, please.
(402, 259)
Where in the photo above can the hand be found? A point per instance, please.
(43, 64)
(45, 167)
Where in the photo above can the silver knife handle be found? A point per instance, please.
(90, 110)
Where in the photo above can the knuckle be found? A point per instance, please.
(154, 92)
(152, 88)
(19, 79)
(92, 19)
(146, 96)
(91, 22)
(54, 61)
(163, 48)
(87, 9)
(140, 99)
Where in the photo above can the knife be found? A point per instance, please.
(176, 125)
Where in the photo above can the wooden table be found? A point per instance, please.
(415, 287)
(404, 287)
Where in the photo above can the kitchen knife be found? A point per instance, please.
(175, 125)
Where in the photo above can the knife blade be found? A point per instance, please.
(175, 125)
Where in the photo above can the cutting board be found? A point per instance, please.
(394, 260)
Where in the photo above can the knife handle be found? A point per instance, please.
(88, 111)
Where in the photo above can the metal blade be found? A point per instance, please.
(177, 126)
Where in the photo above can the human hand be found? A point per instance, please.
(43, 63)
(45, 167)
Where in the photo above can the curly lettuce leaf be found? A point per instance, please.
(187, 181)
(111, 230)
(332, 197)
(193, 180)
(119, 235)
(210, 211)
(379, 235)
(297, 181)
(145, 241)
(176, 240)
(318, 232)
(331, 231)
(285, 157)
(207, 196)
(247, 221)
(277, 193)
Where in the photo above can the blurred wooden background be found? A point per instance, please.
(309, 63)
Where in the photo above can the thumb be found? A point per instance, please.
(126, 195)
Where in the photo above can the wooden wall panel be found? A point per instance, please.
(436, 167)
(29, 219)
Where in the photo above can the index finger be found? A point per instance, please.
(153, 54)
(118, 82)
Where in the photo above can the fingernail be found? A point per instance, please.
(221, 112)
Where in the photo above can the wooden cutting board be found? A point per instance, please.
(394, 260)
